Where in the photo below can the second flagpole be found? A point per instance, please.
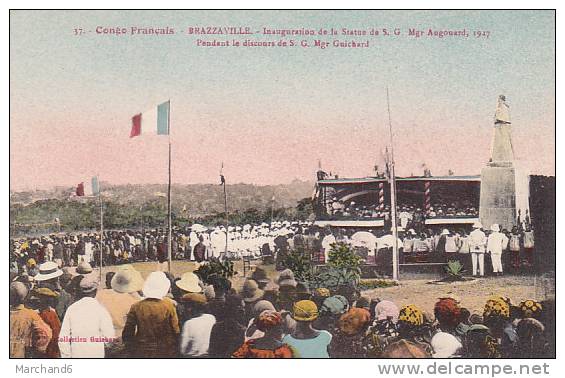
(169, 223)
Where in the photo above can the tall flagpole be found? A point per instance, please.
(101, 226)
(223, 183)
(395, 256)
(169, 223)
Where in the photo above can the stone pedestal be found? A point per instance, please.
(498, 195)
(498, 178)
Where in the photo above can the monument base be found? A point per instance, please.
(498, 195)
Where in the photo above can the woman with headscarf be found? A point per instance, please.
(306, 341)
(269, 345)
(479, 343)
(252, 331)
(383, 330)
(330, 311)
(496, 315)
(445, 345)
(347, 341)
(448, 314)
(152, 326)
(531, 309)
(412, 326)
(532, 342)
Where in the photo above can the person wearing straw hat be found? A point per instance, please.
(287, 290)
(189, 283)
(87, 325)
(251, 294)
(152, 325)
(477, 244)
(306, 341)
(50, 276)
(496, 243)
(48, 271)
(123, 293)
(84, 268)
(260, 276)
(196, 331)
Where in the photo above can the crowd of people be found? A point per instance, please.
(71, 315)
(475, 248)
(505, 250)
(338, 209)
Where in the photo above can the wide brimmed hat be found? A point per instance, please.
(47, 271)
(305, 311)
(495, 228)
(251, 291)
(44, 292)
(194, 298)
(259, 275)
(83, 268)
(445, 232)
(286, 278)
(301, 291)
(262, 305)
(88, 284)
(189, 282)
(127, 280)
(477, 225)
(156, 285)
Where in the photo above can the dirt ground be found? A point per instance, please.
(414, 290)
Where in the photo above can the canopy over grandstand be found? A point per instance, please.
(365, 202)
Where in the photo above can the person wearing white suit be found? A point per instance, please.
(496, 243)
(477, 241)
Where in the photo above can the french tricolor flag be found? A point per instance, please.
(88, 188)
(154, 121)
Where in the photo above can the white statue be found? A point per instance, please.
(502, 114)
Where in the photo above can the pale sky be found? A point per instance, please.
(270, 113)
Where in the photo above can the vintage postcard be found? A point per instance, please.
(231, 184)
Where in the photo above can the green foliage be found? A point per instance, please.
(334, 278)
(454, 269)
(343, 269)
(215, 268)
(369, 284)
(342, 256)
(299, 263)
